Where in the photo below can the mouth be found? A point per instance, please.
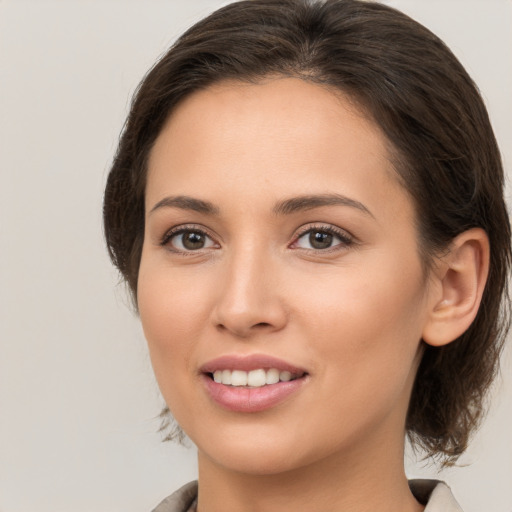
(257, 378)
(251, 383)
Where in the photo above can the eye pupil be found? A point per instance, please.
(193, 240)
(320, 239)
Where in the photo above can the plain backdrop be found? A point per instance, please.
(78, 401)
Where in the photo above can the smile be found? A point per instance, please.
(251, 383)
(254, 378)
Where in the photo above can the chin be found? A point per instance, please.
(256, 462)
(255, 453)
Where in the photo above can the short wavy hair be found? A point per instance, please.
(444, 150)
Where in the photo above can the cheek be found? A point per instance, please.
(173, 314)
(368, 324)
(171, 304)
(379, 297)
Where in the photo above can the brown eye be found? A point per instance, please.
(323, 238)
(192, 240)
(189, 240)
(320, 239)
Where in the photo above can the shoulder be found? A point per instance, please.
(436, 495)
(183, 500)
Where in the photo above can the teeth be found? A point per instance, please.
(272, 376)
(285, 376)
(254, 378)
(226, 377)
(238, 378)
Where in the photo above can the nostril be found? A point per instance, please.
(243, 331)
(262, 324)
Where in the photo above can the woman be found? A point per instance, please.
(307, 206)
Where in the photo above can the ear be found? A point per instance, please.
(457, 284)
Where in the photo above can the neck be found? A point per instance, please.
(348, 482)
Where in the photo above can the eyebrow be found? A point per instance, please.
(285, 207)
(308, 202)
(186, 203)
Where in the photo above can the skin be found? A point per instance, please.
(352, 315)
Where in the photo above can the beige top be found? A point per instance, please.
(434, 494)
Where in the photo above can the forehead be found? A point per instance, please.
(285, 136)
(282, 110)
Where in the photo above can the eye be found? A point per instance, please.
(187, 240)
(322, 238)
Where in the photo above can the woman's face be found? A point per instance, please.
(279, 245)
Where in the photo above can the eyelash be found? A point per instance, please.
(180, 230)
(346, 240)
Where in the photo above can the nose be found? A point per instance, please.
(248, 298)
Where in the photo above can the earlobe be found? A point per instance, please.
(460, 278)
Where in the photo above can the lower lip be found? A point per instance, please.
(242, 399)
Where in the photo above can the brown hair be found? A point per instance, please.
(445, 153)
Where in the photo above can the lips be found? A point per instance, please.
(248, 363)
(251, 383)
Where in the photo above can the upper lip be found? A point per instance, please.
(250, 362)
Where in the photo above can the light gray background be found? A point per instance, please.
(77, 395)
